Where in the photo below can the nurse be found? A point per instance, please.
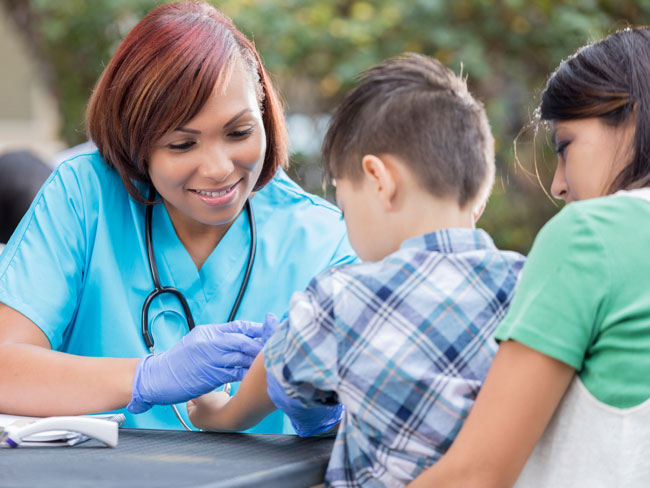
(186, 122)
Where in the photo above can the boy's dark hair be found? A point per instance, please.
(415, 108)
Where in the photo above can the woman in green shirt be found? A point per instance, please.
(566, 400)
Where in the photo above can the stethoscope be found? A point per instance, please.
(161, 290)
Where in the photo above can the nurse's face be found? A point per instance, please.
(590, 155)
(206, 169)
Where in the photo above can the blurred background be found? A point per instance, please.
(53, 51)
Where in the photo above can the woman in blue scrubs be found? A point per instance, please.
(186, 108)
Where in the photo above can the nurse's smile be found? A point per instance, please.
(216, 197)
(206, 169)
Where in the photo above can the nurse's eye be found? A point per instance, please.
(240, 134)
(181, 146)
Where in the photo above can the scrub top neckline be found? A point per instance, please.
(179, 267)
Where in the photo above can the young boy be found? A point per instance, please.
(404, 340)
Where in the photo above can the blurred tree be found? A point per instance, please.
(506, 48)
(73, 40)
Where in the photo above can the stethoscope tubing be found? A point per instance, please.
(160, 290)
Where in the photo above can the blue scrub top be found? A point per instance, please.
(77, 267)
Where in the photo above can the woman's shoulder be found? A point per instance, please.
(85, 176)
(82, 188)
(84, 166)
(285, 195)
(290, 219)
(625, 200)
(612, 213)
(596, 229)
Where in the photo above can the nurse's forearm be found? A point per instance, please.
(36, 381)
(250, 404)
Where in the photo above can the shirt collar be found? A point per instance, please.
(451, 241)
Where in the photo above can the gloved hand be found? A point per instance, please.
(306, 421)
(207, 357)
(270, 325)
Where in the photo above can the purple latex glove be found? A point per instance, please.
(206, 358)
(306, 421)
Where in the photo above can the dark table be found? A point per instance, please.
(162, 458)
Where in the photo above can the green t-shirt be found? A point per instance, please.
(584, 297)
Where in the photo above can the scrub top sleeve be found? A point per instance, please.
(302, 353)
(41, 270)
(563, 288)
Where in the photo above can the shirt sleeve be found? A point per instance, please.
(41, 269)
(302, 354)
(562, 291)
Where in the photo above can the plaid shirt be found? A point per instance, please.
(404, 344)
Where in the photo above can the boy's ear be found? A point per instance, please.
(380, 174)
(478, 211)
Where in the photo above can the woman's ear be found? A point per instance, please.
(381, 176)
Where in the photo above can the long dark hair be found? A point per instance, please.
(609, 79)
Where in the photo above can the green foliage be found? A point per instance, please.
(73, 39)
(506, 48)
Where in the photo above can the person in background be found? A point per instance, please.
(21, 176)
(565, 403)
(403, 340)
(188, 127)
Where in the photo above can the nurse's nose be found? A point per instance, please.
(560, 187)
(216, 163)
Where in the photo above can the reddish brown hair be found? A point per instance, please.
(161, 76)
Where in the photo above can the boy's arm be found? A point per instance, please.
(244, 410)
(306, 421)
(251, 403)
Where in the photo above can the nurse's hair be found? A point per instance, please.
(415, 108)
(161, 76)
(610, 80)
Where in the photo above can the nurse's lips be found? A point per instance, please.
(219, 196)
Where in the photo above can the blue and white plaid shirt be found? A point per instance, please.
(404, 344)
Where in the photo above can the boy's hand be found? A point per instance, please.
(218, 411)
(204, 411)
